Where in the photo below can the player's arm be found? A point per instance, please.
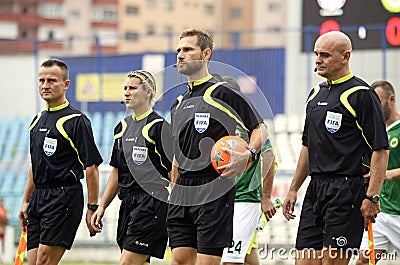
(268, 170)
(258, 136)
(379, 160)
(92, 181)
(29, 188)
(300, 176)
(392, 174)
(174, 174)
(110, 192)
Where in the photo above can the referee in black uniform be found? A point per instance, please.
(344, 138)
(200, 216)
(61, 147)
(139, 175)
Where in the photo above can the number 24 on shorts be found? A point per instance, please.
(235, 247)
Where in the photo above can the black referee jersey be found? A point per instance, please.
(201, 116)
(61, 146)
(344, 124)
(142, 153)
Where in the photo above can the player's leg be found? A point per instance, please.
(309, 239)
(33, 234)
(214, 224)
(145, 232)
(206, 259)
(183, 256)
(335, 256)
(245, 220)
(182, 232)
(60, 211)
(308, 257)
(182, 235)
(49, 255)
(131, 258)
(32, 255)
(343, 226)
(252, 258)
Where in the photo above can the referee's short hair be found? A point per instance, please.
(63, 66)
(204, 38)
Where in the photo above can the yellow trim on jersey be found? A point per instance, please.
(338, 81)
(146, 128)
(345, 101)
(207, 98)
(124, 126)
(315, 92)
(203, 80)
(145, 133)
(144, 115)
(35, 121)
(58, 107)
(60, 128)
(341, 80)
(179, 99)
(73, 173)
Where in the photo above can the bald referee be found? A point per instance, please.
(344, 138)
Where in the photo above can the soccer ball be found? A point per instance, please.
(220, 158)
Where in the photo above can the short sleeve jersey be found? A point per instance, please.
(202, 115)
(344, 124)
(61, 146)
(142, 153)
(390, 195)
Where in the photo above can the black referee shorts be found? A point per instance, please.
(142, 226)
(54, 216)
(207, 227)
(331, 213)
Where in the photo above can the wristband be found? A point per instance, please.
(253, 153)
(92, 207)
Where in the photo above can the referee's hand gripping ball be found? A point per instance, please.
(230, 156)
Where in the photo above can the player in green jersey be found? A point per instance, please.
(253, 194)
(386, 229)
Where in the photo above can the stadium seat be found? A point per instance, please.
(280, 123)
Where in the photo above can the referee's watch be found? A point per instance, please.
(373, 198)
(253, 153)
(92, 207)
